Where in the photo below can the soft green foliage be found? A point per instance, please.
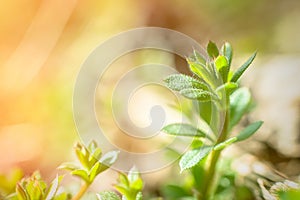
(242, 69)
(91, 160)
(130, 185)
(249, 130)
(185, 130)
(221, 104)
(35, 188)
(212, 49)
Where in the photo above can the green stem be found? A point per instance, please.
(208, 186)
(82, 190)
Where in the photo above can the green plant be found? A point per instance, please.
(34, 187)
(130, 186)
(220, 103)
(92, 164)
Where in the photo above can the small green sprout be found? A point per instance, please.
(221, 104)
(92, 164)
(35, 188)
(130, 187)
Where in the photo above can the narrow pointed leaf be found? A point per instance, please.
(227, 52)
(222, 66)
(193, 157)
(242, 69)
(212, 50)
(82, 155)
(249, 131)
(184, 130)
(179, 82)
(201, 71)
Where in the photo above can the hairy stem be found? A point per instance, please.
(208, 187)
(82, 191)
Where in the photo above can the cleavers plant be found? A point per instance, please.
(219, 102)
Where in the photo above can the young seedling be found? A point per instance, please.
(130, 187)
(35, 188)
(220, 103)
(92, 164)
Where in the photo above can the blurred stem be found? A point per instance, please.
(209, 185)
(81, 192)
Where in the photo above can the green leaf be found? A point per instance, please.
(224, 144)
(53, 188)
(94, 171)
(242, 69)
(222, 66)
(227, 52)
(212, 50)
(193, 157)
(82, 155)
(199, 58)
(21, 193)
(184, 130)
(249, 130)
(198, 94)
(81, 174)
(201, 71)
(239, 103)
(106, 195)
(179, 82)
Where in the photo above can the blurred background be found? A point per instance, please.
(44, 43)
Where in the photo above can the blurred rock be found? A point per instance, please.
(275, 85)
